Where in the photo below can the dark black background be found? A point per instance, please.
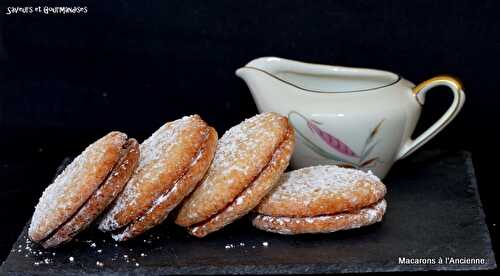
(66, 80)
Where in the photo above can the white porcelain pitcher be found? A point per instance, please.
(354, 117)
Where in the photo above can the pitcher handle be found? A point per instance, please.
(419, 92)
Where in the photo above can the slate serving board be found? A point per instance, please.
(433, 211)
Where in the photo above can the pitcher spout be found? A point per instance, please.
(265, 64)
(244, 73)
(263, 85)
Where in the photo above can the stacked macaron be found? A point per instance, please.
(322, 199)
(129, 188)
(84, 189)
(173, 160)
(249, 160)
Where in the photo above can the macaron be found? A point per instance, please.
(248, 162)
(173, 161)
(84, 189)
(322, 199)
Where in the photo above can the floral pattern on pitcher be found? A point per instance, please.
(340, 151)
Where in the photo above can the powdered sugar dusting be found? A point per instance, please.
(242, 152)
(310, 183)
(170, 199)
(157, 154)
(322, 224)
(254, 193)
(61, 199)
(242, 143)
(162, 140)
(167, 196)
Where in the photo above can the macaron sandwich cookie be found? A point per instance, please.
(84, 189)
(248, 162)
(322, 199)
(173, 161)
(127, 188)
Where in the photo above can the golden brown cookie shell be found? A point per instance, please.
(183, 187)
(321, 224)
(165, 157)
(254, 193)
(72, 188)
(242, 153)
(363, 191)
(101, 198)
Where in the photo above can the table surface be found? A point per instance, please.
(433, 212)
